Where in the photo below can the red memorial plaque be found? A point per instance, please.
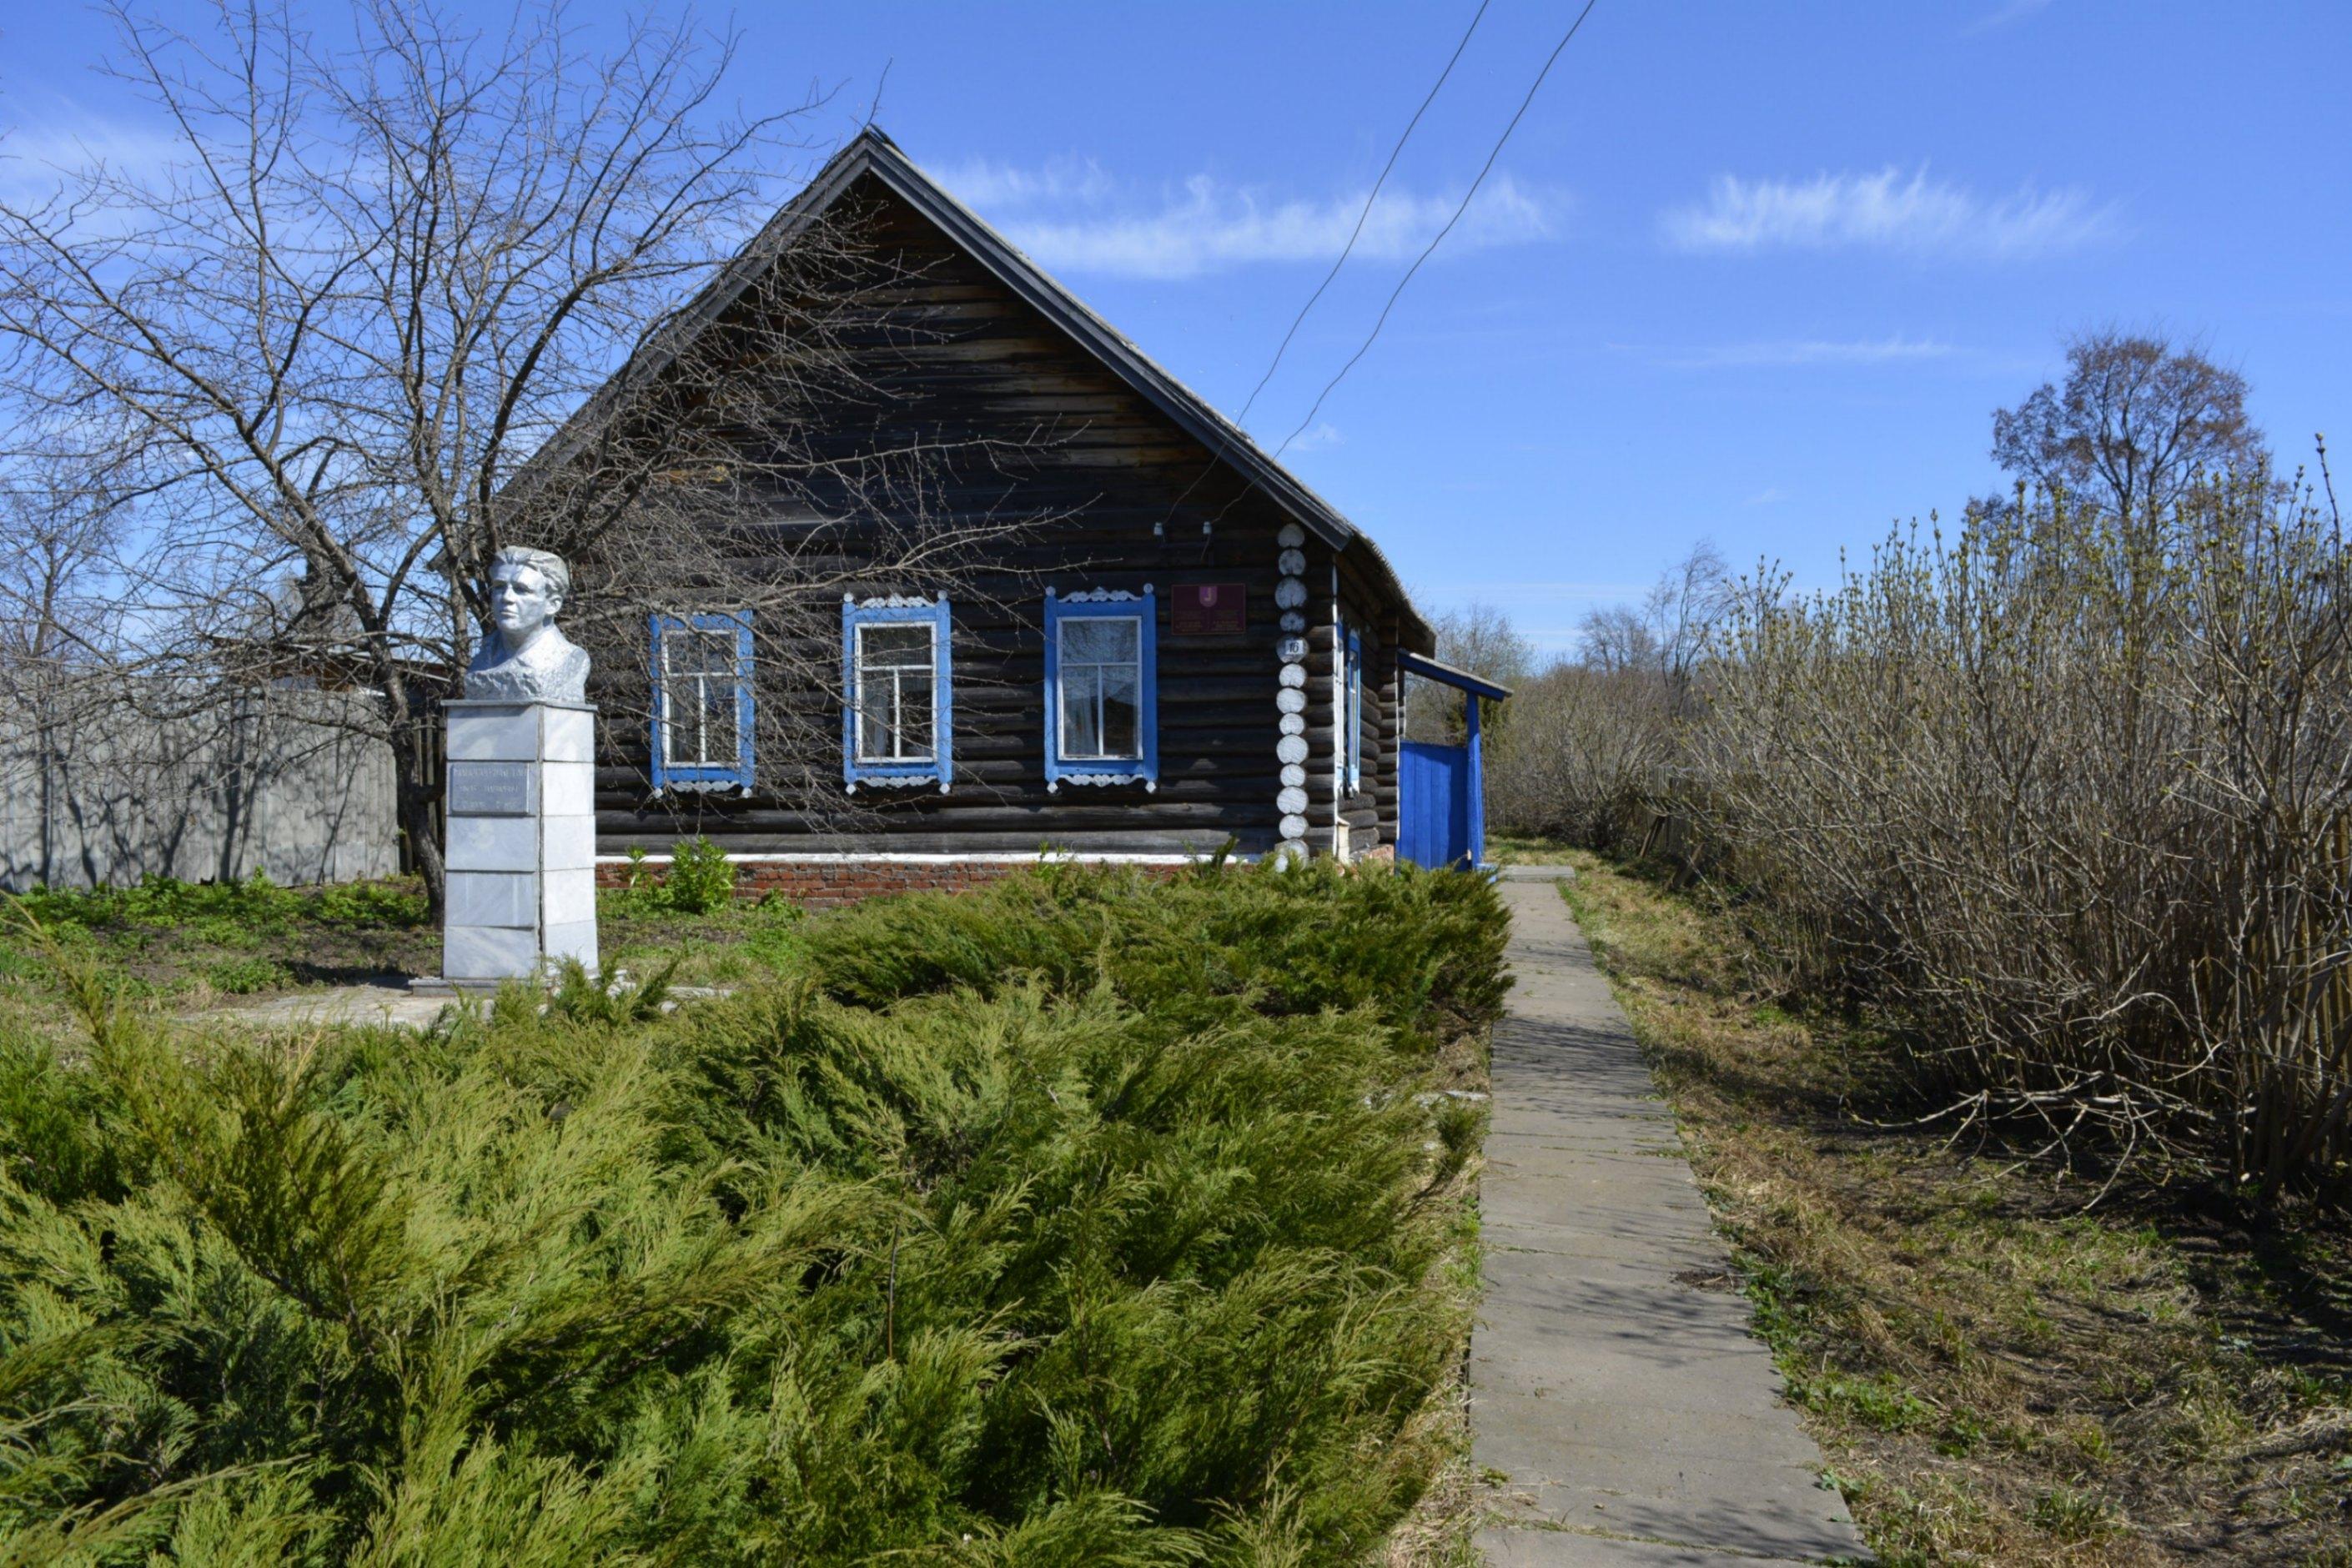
(1209, 609)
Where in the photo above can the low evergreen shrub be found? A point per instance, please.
(1083, 1220)
(1423, 949)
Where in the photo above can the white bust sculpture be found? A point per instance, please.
(522, 657)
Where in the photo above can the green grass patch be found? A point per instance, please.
(169, 943)
(1086, 1219)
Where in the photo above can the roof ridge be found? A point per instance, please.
(872, 150)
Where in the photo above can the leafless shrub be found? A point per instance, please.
(1588, 747)
(2076, 804)
(1584, 749)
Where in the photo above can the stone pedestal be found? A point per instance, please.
(521, 851)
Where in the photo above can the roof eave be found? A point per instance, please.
(1414, 663)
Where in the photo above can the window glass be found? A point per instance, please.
(699, 689)
(896, 681)
(1081, 710)
(1122, 711)
(1102, 683)
(1100, 640)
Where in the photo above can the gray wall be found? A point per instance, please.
(110, 786)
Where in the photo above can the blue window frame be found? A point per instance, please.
(1102, 688)
(896, 692)
(1355, 711)
(702, 701)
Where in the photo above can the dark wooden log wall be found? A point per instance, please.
(1084, 449)
(1371, 814)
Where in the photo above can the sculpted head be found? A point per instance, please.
(527, 589)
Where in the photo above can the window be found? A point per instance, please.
(1355, 692)
(894, 694)
(702, 701)
(896, 687)
(1101, 688)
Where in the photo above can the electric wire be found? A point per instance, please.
(1363, 218)
(1483, 171)
(1237, 425)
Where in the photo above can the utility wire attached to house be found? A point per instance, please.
(1238, 423)
(1467, 196)
(1363, 218)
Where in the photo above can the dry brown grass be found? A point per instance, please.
(1999, 1370)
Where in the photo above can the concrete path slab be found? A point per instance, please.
(386, 1002)
(1618, 1405)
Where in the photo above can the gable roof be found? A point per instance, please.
(873, 153)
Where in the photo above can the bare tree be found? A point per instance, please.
(59, 596)
(1618, 638)
(1669, 633)
(307, 357)
(1481, 639)
(2135, 421)
(1686, 607)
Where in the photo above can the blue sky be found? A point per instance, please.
(1754, 273)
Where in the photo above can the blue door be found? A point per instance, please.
(1434, 788)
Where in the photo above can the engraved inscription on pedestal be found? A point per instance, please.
(490, 789)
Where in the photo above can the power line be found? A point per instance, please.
(1483, 171)
(1362, 217)
(1236, 427)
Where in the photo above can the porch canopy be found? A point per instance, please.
(1437, 669)
(1441, 790)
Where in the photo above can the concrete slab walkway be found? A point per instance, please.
(387, 1001)
(1620, 1407)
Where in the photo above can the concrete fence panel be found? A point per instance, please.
(107, 788)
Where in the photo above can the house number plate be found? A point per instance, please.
(1209, 609)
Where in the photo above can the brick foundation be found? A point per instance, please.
(830, 884)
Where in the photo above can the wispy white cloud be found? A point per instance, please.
(1887, 211)
(2003, 15)
(1770, 495)
(1073, 217)
(1325, 434)
(1579, 591)
(981, 183)
(65, 142)
(1779, 353)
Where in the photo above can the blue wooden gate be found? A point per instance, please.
(1441, 793)
(1433, 787)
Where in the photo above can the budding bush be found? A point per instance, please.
(2072, 793)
